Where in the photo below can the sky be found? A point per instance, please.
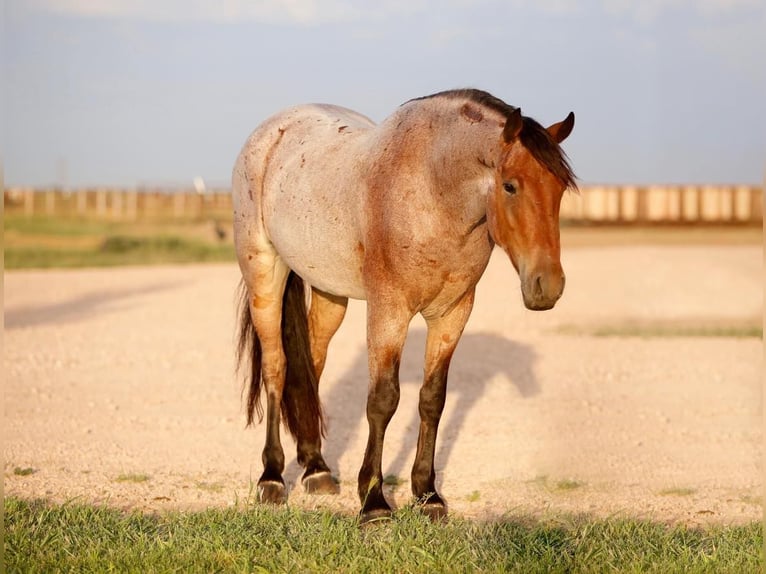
(153, 92)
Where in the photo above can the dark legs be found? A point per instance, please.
(387, 324)
(386, 332)
(266, 277)
(325, 316)
(266, 280)
(443, 335)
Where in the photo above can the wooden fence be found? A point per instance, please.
(119, 204)
(683, 204)
(691, 204)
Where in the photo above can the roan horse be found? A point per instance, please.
(404, 215)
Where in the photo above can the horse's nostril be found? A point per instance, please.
(539, 286)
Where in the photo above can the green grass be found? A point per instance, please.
(563, 485)
(132, 477)
(18, 471)
(736, 331)
(53, 226)
(210, 486)
(117, 250)
(41, 242)
(678, 491)
(660, 329)
(42, 537)
(568, 484)
(393, 481)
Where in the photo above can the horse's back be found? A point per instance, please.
(297, 186)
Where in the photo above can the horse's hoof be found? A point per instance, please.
(375, 516)
(432, 506)
(272, 492)
(436, 511)
(320, 483)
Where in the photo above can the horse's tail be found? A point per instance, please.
(249, 345)
(301, 409)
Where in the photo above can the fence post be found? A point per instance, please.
(82, 202)
(756, 203)
(50, 203)
(117, 201)
(132, 207)
(732, 202)
(620, 205)
(179, 204)
(642, 201)
(100, 203)
(29, 202)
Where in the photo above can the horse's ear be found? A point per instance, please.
(561, 130)
(513, 126)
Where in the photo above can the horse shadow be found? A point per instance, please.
(78, 308)
(479, 358)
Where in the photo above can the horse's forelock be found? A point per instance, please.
(544, 149)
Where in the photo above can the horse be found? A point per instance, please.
(404, 215)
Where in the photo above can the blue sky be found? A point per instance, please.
(127, 92)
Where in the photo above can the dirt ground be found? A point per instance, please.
(120, 389)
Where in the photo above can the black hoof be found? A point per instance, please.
(320, 483)
(271, 492)
(375, 516)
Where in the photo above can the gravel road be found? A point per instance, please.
(120, 389)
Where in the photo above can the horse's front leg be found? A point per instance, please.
(266, 277)
(444, 331)
(386, 332)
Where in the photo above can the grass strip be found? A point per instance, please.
(118, 250)
(74, 537)
(669, 329)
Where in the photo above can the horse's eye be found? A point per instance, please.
(509, 187)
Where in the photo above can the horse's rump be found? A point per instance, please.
(310, 189)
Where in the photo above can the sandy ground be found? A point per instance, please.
(120, 389)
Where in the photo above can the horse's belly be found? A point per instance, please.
(318, 243)
(333, 274)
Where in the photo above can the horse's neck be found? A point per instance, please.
(461, 155)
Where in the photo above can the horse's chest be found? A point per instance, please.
(438, 276)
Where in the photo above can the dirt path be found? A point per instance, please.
(119, 388)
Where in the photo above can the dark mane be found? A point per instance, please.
(534, 137)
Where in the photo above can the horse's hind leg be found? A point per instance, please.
(386, 331)
(265, 276)
(325, 316)
(444, 332)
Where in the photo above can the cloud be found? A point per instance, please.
(740, 44)
(549, 7)
(647, 12)
(300, 12)
(713, 8)
(729, 30)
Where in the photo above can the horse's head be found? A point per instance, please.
(523, 208)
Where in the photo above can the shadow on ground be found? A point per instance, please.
(77, 308)
(480, 357)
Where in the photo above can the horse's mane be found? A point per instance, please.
(534, 137)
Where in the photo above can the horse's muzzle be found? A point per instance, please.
(541, 289)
